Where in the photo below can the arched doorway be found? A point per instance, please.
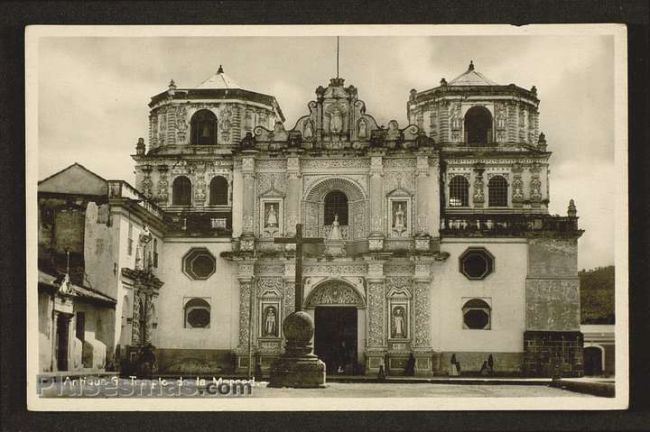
(336, 308)
(478, 127)
(593, 360)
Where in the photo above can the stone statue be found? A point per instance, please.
(398, 323)
(337, 121)
(309, 132)
(271, 217)
(363, 128)
(398, 220)
(335, 233)
(270, 322)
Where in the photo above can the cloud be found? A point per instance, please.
(93, 95)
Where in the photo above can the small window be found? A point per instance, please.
(498, 192)
(476, 263)
(458, 192)
(197, 313)
(476, 315)
(199, 264)
(219, 191)
(182, 191)
(336, 203)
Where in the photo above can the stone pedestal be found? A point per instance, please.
(423, 362)
(298, 367)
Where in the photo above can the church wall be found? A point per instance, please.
(220, 290)
(99, 256)
(503, 290)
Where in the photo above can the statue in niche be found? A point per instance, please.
(337, 121)
(271, 216)
(309, 131)
(399, 221)
(335, 233)
(363, 128)
(399, 324)
(270, 321)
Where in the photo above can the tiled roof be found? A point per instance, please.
(79, 291)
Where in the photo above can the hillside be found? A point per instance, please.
(597, 295)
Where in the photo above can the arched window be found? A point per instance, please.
(478, 127)
(197, 313)
(336, 203)
(458, 192)
(204, 128)
(219, 191)
(476, 315)
(498, 192)
(182, 191)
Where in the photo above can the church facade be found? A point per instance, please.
(439, 254)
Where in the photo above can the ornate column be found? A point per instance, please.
(478, 193)
(248, 207)
(289, 288)
(245, 347)
(376, 316)
(376, 239)
(293, 195)
(421, 341)
(426, 198)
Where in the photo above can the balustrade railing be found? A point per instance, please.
(507, 224)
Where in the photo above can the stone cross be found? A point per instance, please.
(299, 240)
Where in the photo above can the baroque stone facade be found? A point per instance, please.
(400, 205)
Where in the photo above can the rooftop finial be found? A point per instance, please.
(220, 70)
(471, 65)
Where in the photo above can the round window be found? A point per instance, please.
(476, 319)
(199, 264)
(476, 263)
(198, 317)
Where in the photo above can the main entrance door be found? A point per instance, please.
(335, 338)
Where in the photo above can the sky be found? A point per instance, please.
(93, 94)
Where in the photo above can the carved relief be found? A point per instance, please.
(163, 186)
(244, 310)
(517, 188)
(181, 124)
(422, 319)
(376, 313)
(479, 194)
(535, 188)
(328, 270)
(334, 293)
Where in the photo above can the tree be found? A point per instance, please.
(597, 295)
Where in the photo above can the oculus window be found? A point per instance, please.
(476, 263)
(476, 315)
(199, 264)
(197, 313)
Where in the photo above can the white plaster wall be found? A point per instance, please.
(221, 290)
(505, 287)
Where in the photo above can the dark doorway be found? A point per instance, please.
(336, 339)
(62, 338)
(478, 127)
(593, 361)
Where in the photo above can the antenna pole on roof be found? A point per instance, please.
(337, 56)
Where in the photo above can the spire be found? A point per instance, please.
(572, 211)
(220, 70)
(338, 52)
(471, 65)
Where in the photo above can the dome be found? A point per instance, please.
(219, 81)
(471, 78)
